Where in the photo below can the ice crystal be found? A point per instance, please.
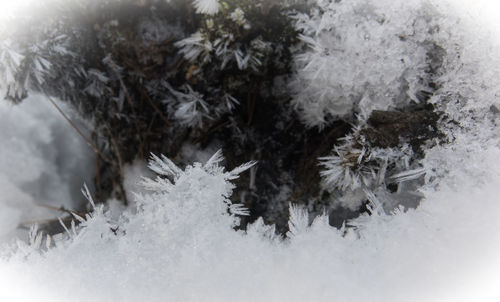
(209, 7)
(228, 39)
(195, 47)
(189, 106)
(354, 168)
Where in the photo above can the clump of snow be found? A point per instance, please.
(39, 156)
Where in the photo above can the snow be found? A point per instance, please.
(38, 159)
(181, 246)
(179, 243)
(132, 174)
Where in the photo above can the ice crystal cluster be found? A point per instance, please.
(365, 55)
(356, 171)
(232, 39)
(25, 67)
(11, 59)
(361, 56)
(231, 36)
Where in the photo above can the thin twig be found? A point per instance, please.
(153, 105)
(86, 139)
(43, 221)
(251, 107)
(115, 146)
(97, 171)
(120, 162)
(60, 209)
(151, 123)
(212, 130)
(131, 104)
(251, 100)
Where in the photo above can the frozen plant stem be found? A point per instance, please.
(131, 104)
(96, 150)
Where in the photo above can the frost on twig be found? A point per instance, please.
(358, 171)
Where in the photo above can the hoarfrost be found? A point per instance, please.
(361, 50)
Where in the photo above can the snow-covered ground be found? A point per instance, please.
(179, 244)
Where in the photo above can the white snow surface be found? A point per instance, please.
(179, 244)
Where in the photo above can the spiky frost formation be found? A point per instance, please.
(173, 181)
(33, 59)
(230, 50)
(364, 55)
(11, 61)
(189, 199)
(223, 44)
(355, 168)
(209, 7)
(195, 47)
